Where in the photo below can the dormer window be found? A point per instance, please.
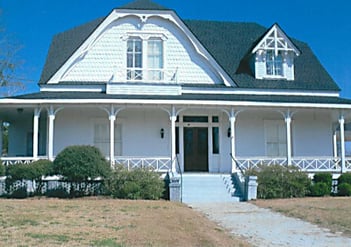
(274, 56)
(274, 64)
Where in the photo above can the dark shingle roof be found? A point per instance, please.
(143, 5)
(228, 42)
(205, 97)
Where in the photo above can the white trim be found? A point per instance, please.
(214, 103)
(234, 91)
(73, 88)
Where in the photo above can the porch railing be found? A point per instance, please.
(6, 161)
(160, 164)
(308, 164)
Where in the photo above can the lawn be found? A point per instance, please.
(107, 222)
(333, 213)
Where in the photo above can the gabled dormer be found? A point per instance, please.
(274, 55)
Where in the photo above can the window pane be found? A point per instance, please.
(214, 119)
(195, 119)
(215, 140)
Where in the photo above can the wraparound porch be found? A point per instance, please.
(157, 132)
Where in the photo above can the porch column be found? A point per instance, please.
(112, 119)
(1, 134)
(335, 145)
(51, 114)
(36, 132)
(232, 119)
(288, 137)
(342, 142)
(173, 119)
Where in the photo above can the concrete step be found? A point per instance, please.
(206, 187)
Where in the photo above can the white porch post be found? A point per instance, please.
(173, 119)
(36, 132)
(51, 113)
(232, 120)
(1, 133)
(288, 137)
(335, 145)
(342, 142)
(112, 119)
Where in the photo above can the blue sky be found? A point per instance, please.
(326, 27)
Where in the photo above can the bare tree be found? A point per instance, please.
(9, 62)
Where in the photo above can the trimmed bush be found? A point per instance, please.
(2, 169)
(81, 163)
(19, 193)
(278, 181)
(344, 189)
(320, 189)
(136, 184)
(58, 192)
(324, 177)
(345, 178)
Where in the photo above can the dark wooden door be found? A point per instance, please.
(196, 149)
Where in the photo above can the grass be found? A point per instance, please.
(328, 212)
(108, 223)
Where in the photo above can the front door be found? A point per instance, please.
(196, 149)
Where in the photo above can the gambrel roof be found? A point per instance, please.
(229, 43)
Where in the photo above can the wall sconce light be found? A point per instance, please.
(162, 132)
(229, 133)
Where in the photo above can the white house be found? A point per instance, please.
(149, 88)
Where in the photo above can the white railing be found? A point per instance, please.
(348, 163)
(246, 163)
(160, 164)
(314, 164)
(308, 164)
(17, 160)
(148, 75)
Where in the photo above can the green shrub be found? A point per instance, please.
(344, 189)
(58, 192)
(19, 193)
(278, 181)
(81, 163)
(344, 178)
(323, 177)
(2, 169)
(135, 184)
(320, 189)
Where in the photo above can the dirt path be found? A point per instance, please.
(263, 227)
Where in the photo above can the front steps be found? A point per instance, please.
(206, 188)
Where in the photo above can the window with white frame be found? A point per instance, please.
(274, 63)
(102, 137)
(145, 58)
(155, 59)
(134, 58)
(275, 138)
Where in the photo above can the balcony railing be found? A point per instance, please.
(148, 75)
(159, 164)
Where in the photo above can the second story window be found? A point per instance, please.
(274, 63)
(145, 57)
(134, 58)
(155, 59)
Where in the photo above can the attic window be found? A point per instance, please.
(274, 64)
(274, 56)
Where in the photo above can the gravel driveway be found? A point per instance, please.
(262, 227)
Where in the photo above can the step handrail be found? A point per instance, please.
(237, 163)
(181, 178)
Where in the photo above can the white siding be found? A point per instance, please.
(106, 57)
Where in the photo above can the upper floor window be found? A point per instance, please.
(274, 63)
(134, 58)
(145, 59)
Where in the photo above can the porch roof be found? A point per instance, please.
(195, 98)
